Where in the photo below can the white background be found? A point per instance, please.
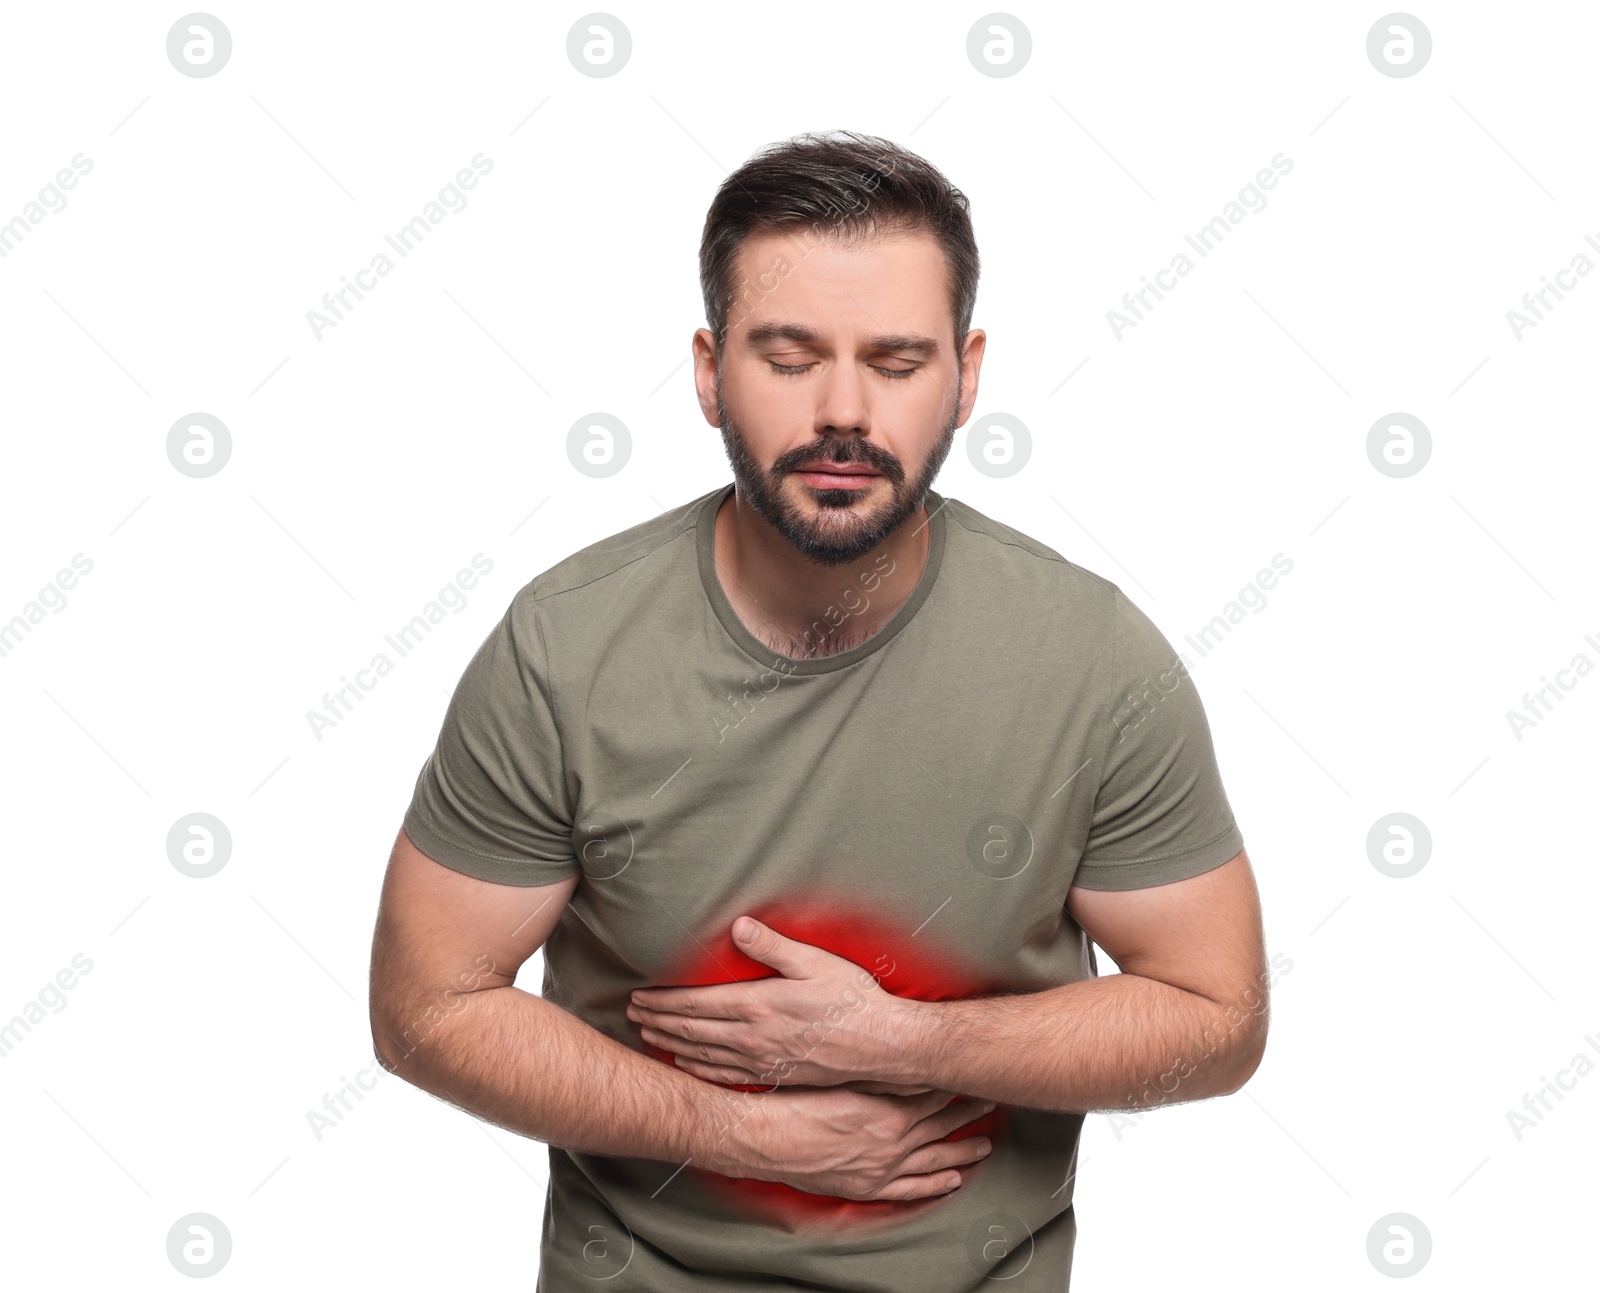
(370, 465)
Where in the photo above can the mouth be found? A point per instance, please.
(837, 476)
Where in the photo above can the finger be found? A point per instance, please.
(905, 1188)
(726, 1075)
(763, 943)
(695, 1003)
(909, 1186)
(722, 1056)
(927, 1184)
(883, 1088)
(939, 1125)
(917, 1107)
(711, 1032)
(944, 1155)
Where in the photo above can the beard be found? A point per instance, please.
(845, 530)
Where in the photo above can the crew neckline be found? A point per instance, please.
(756, 649)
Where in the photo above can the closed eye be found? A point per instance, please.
(794, 370)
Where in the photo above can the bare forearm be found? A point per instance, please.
(1106, 1043)
(525, 1064)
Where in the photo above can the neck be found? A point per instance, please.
(801, 609)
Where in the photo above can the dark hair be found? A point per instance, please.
(842, 185)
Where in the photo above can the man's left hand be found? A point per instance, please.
(821, 1021)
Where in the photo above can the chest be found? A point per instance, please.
(895, 816)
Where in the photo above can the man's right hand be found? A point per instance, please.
(849, 1144)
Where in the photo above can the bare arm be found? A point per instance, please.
(1186, 1018)
(447, 1017)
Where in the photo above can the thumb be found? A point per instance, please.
(765, 944)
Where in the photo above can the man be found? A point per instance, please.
(818, 786)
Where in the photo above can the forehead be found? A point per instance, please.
(896, 281)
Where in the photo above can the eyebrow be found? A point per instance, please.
(774, 330)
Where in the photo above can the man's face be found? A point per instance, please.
(840, 389)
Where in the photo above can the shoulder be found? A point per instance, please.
(566, 614)
(615, 559)
(989, 547)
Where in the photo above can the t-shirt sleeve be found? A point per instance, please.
(1160, 813)
(491, 800)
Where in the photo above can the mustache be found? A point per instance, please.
(841, 453)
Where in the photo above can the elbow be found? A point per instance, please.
(388, 1056)
(391, 1038)
(403, 1023)
(402, 1017)
(385, 1048)
(1251, 1052)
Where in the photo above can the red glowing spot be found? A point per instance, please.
(906, 962)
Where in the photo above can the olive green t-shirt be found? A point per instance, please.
(919, 803)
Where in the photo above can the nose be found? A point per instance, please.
(842, 409)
